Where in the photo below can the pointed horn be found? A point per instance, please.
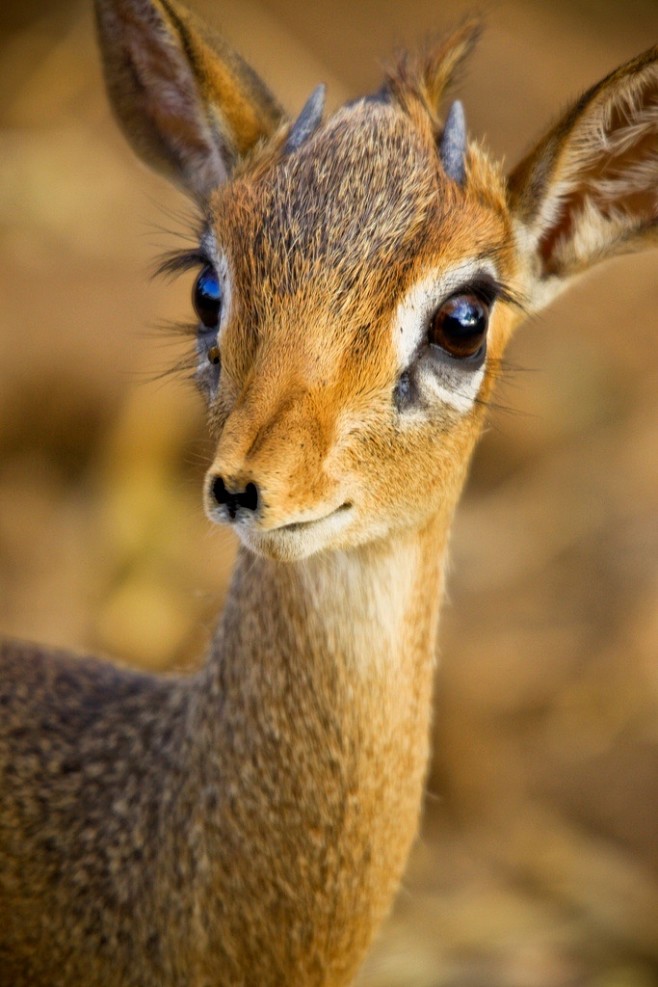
(452, 148)
(308, 120)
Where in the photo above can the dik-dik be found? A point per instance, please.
(358, 280)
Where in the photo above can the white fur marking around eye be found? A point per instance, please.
(457, 388)
(453, 385)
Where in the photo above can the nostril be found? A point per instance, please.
(249, 498)
(219, 491)
(246, 499)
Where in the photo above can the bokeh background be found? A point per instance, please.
(538, 861)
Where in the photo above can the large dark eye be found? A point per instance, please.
(459, 327)
(207, 297)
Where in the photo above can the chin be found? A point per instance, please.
(283, 546)
(294, 542)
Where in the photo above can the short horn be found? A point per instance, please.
(308, 120)
(452, 148)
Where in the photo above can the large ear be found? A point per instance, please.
(188, 104)
(589, 190)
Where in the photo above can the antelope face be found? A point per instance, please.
(349, 321)
(352, 301)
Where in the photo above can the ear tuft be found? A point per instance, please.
(430, 73)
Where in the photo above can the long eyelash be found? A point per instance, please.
(490, 289)
(175, 262)
(505, 293)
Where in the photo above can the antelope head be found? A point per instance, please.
(360, 276)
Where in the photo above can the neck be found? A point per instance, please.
(318, 694)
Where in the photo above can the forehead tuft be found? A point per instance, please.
(364, 190)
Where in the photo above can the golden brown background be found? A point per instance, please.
(538, 863)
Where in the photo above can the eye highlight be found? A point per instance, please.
(459, 326)
(207, 297)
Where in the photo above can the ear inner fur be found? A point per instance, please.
(588, 190)
(188, 104)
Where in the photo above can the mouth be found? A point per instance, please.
(306, 525)
(298, 539)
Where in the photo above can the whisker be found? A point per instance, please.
(169, 331)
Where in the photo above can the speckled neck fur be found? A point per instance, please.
(279, 788)
(324, 692)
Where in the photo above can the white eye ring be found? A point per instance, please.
(453, 381)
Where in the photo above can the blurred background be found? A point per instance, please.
(538, 861)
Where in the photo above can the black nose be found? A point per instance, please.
(234, 500)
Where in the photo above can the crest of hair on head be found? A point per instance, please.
(426, 75)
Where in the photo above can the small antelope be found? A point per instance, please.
(358, 281)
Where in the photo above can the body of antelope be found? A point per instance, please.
(358, 281)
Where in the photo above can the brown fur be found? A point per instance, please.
(249, 825)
